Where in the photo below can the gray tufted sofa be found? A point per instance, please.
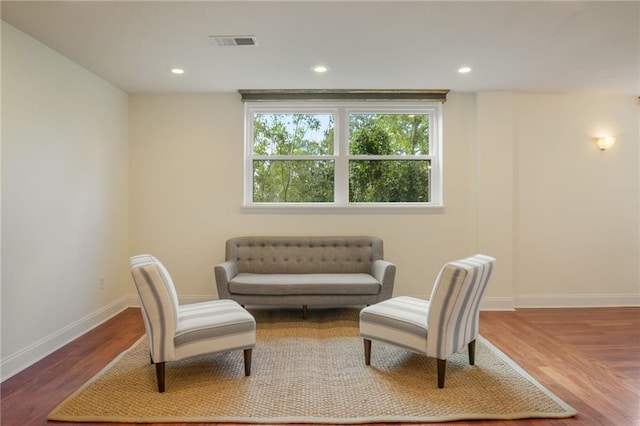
(305, 271)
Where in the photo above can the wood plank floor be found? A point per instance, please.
(588, 357)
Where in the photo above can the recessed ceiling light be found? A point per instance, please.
(320, 69)
(177, 70)
(464, 70)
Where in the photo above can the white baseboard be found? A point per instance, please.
(576, 300)
(131, 301)
(555, 301)
(33, 353)
(497, 304)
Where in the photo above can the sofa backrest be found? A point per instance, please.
(304, 255)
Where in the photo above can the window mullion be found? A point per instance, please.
(342, 160)
(248, 155)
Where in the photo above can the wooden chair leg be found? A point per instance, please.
(151, 358)
(367, 352)
(472, 352)
(305, 310)
(442, 366)
(160, 375)
(247, 362)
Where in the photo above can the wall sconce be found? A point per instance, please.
(605, 142)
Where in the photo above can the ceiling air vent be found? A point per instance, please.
(223, 41)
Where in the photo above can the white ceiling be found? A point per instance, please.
(521, 46)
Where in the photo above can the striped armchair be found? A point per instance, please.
(175, 332)
(437, 327)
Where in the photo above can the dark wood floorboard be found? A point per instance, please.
(589, 357)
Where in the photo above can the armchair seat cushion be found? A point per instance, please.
(401, 321)
(304, 284)
(213, 321)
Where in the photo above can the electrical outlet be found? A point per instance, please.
(101, 282)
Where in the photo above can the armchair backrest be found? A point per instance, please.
(158, 303)
(455, 304)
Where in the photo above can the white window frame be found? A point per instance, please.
(341, 157)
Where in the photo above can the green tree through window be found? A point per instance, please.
(388, 179)
(293, 135)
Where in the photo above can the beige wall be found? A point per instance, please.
(64, 199)
(577, 207)
(186, 194)
(496, 180)
(523, 182)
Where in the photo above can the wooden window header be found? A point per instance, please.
(343, 95)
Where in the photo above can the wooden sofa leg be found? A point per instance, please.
(442, 366)
(472, 352)
(247, 362)
(367, 352)
(160, 375)
(305, 310)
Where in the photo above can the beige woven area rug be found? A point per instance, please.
(311, 371)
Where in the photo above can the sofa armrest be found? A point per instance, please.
(224, 272)
(385, 273)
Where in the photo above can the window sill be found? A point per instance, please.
(301, 208)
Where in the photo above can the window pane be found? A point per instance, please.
(389, 181)
(291, 181)
(293, 134)
(389, 134)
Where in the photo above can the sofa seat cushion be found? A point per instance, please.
(295, 284)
